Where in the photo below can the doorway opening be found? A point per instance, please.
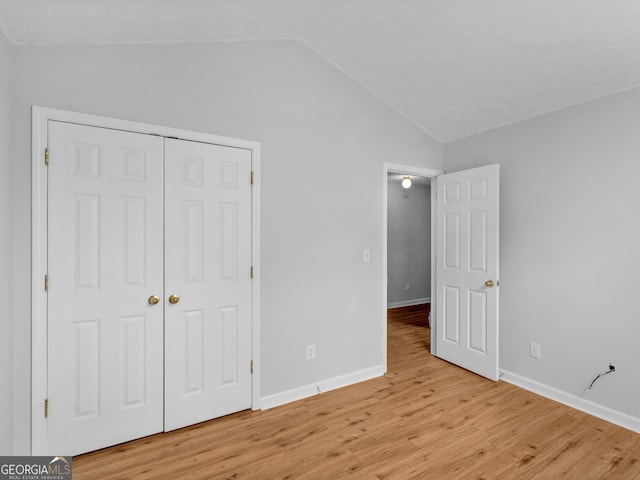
(408, 252)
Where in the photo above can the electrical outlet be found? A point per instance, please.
(534, 350)
(366, 256)
(407, 286)
(311, 351)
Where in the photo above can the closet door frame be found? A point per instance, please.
(39, 246)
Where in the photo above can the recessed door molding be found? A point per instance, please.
(41, 117)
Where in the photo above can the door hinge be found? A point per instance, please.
(46, 156)
(251, 367)
(251, 272)
(252, 177)
(46, 283)
(46, 408)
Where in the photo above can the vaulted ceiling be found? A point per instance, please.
(452, 67)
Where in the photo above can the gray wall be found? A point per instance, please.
(6, 401)
(408, 242)
(312, 120)
(570, 245)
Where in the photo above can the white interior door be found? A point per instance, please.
(150, 296)
(105, 238)
(467, 269)
(207, 265)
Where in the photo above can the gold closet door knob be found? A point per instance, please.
(173, 299)
(154, 299)
(489, 283)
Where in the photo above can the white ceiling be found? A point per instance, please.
(453, 67)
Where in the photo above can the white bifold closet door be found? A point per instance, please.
(132, 219)
(207, 264)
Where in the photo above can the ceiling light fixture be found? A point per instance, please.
(406, 182)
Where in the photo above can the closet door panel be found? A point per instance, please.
(207, 271)
(105, 240)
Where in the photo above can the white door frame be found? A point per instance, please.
(39, 247)
(421, 172)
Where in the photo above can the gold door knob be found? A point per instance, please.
(173, 299)
(489, 283)
(154, 299)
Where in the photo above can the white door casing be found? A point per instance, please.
(105, 341)
(131, 233)
(208, 262)
(467, 269)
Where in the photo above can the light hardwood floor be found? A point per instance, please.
(425, 419)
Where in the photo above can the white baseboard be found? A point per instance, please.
(586, 406)
(322, 386)
(409, 303)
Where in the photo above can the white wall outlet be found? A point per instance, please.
(534, 350)
(311, 351)
(366, 256)
(407, 286)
